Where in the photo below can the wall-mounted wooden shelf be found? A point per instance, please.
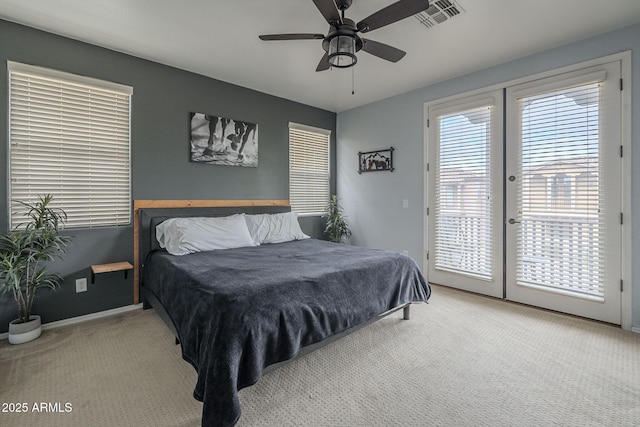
(108, 268)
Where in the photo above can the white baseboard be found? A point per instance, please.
(85, 318)
(636, 330)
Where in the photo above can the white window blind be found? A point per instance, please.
(463, 215)
(69, 137)
(560, 242)
(308, 169)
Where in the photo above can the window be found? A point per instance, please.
(464, 219)
(463, 211)
(561, 190)
(562, 247)
(69, 137)
(308, 169)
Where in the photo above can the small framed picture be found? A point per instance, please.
(374, 161)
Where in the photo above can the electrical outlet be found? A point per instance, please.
(405, 252)
(81, 285)
(405, 203)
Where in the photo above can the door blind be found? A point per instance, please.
(308, 169)
(70, 137)
(463, 228)
(559, 241)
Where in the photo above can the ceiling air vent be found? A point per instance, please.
(438, 12)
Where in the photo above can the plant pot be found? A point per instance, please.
(20, 332)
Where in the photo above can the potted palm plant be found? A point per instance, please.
(24, 254)
(337, 228)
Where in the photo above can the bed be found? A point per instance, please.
(243, 311)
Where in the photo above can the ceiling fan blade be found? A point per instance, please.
(291, 37)
(382, 50)
(329, 10)
(392, 13)
(324, 63)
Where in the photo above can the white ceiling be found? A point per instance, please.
(219, 38)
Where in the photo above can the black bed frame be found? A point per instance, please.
(147, 220)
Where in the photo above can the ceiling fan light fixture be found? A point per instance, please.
(342, 52)
(342, 40)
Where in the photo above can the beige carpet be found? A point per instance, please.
(463, 360)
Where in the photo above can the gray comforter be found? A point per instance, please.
(238, 311)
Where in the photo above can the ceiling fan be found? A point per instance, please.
(342, 41)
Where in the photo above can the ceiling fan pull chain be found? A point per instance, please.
(353, 84)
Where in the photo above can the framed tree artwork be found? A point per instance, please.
(378, 160)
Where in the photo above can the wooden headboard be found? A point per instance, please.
(139, 205)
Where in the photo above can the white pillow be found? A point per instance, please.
(181, 236)
(274, 228)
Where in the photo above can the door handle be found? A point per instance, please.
(513, 221)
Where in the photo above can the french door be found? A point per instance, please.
(465, 184)
(563, 193)
(532, 215)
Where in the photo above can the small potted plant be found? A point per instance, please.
(337, 228)
(24, 254)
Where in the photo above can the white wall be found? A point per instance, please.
(373, 201)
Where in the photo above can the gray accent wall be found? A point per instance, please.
(162, 99)
(373, 201)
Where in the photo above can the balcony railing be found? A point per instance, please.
(557, 252)
(560, 252)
